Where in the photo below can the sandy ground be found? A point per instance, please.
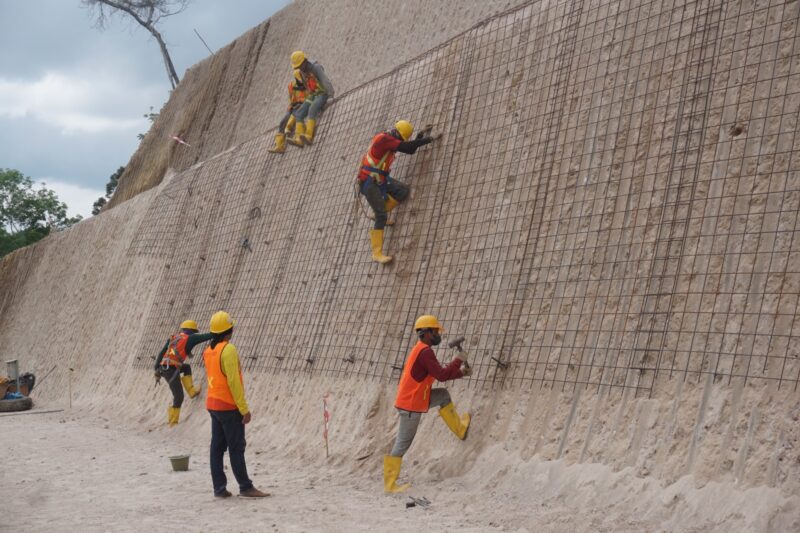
(71, 468)
(64, 468)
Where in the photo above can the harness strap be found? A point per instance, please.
(374, 170)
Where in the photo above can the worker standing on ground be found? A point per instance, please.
(415, 396)
(384, 193)
(171, 363)
(319, 90)
(297, 95)
(228, 409)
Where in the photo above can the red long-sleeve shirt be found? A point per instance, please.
(427, 365)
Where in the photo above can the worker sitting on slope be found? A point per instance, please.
(297, 95)
(171, 363)
(383, 193)
(228, 408)
(415, 396)
(319, 90)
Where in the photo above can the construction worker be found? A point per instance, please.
(297, 95)
(320, 89)
(383, 193)
(171, 363)
(415, 396)
(228, 409)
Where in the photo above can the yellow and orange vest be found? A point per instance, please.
(219, 397)
(313, 86)
(296, 95)
(368, 161)
(176, 350)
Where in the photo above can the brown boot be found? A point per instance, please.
(253, 493)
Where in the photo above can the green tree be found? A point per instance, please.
(151, 117)
(28, 214)
(111, 186)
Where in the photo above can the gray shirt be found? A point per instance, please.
(319, 72)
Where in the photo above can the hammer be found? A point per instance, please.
(457, 345)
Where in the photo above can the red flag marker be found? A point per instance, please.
(178, 139)
(326, 416)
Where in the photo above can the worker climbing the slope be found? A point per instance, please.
(415, 396)
(319, 90)
(384, 193)
(228, 409)
(171, 363)
(297, 95)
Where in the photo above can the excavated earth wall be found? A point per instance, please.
(610, 218)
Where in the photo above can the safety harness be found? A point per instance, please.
(173, 355)
(377, 173)
(314, 87)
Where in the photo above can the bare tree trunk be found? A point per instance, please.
(171, 74)
(147, 24)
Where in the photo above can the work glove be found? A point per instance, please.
(466, 370)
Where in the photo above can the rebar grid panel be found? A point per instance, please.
(615, 198)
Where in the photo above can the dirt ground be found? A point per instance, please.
(62, 468)
(71, 468)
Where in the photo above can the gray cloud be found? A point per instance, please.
(73, 96)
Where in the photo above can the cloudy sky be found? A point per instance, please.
(72, 97)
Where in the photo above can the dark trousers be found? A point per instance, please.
(172, 375)
(397, 190)
(227, 432)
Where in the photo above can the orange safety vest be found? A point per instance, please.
(296, 95)
(219, 397)
(413, 395)
(313, 86)
(384, 164)
(176, 350)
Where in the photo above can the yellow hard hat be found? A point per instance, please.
(220, 322)
(189, 324)
(298, 76)
(404, 128)
(428, 322)
(297, 58)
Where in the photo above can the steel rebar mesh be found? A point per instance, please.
(615, 198)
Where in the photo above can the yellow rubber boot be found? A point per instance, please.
(390, 204)
(391, 470)
(174, 415)
(280, 144)
(290, 124)
(376, 239)
(189, 386)
(297, 140)
(457, 424)
(308, 136)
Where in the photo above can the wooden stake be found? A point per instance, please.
(325, 417)
(69, 381)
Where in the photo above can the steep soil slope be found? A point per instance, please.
(610, 218)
